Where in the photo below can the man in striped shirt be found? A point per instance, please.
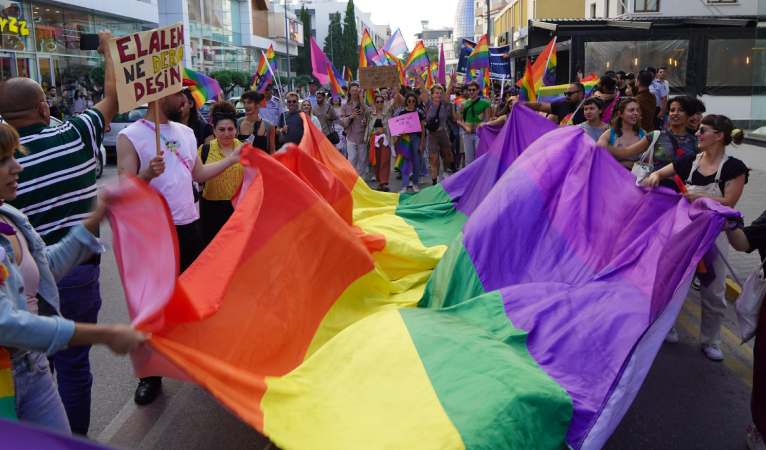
(57, 190)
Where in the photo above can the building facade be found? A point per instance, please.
(511, 24)
(464, 24)
(604, 9)
(431, 38)
(323, 11)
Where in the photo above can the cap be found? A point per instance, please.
(188, 82)
(313, 81)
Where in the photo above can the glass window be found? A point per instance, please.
(637, 55)
(58, 30)
(213, 12)
(118, 29)
(647, 6)
(730, 62)
(195, 11)
(16, 31)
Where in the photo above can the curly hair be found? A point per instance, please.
(223, 110)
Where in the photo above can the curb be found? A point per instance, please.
(732, 290)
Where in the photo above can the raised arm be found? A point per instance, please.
(539, 107)
(108, 106)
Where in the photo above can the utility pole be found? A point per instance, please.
(489, 30)
(287, 49)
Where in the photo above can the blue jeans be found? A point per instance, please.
(417, 161)
(80, 301)
(37, 401)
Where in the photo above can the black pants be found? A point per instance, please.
(190, 245)
(213, 215)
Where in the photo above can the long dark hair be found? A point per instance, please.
(616, 121)
(194, 115)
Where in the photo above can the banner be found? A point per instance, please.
(148, 65)
(499, 60)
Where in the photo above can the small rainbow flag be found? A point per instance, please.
(367, 52)
(369, 96)
(262, 75)
(418, 58)
(337, 92)
(7, 393)
(206, 88)
(350, 77)
(429, 78)
(549, 77)
(479, 58)
(404, 154)
(398, 63)
(541, 63)
(527, 93)
(550, 94)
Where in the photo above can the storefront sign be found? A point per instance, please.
(378, 76)
(13, 25)
(148, 65)
(406, 123)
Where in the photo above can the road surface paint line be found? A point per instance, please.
(728, 336)
(745, 372)
(117, 422)
(733, 289)
(176, 404)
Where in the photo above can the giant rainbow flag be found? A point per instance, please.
(348, 318)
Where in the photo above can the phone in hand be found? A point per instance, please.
(89, 42)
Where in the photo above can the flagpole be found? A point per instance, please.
(575, 111)
(279, 83)
(553, 48)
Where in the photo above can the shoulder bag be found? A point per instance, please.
(432, 124)
(642, 168)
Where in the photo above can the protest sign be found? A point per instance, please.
(378, 76)
(406, 123)
(148, 65)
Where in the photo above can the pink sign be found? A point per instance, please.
(406, 123)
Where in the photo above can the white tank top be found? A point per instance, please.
(175, 184)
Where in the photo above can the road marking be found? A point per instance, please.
(744, 350)
(159, 427)
(117, 423)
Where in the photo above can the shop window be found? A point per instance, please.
(16, 29)
(58, 30)
(730, 63)
(633, 56)
(647, 6)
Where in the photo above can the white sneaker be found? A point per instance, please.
(713, 353)
(754, 439)
(373, 178)
(404, 190)
(415, 188)
(672, 337)
(445, 175)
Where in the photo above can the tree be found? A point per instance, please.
(350, 46)
(302, 80)
(91, 78)
(230, 79)
(303, 61)
(336, 53)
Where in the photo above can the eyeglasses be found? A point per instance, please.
(571, 93)
(292, 101)
(704, 130)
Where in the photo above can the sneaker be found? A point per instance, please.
(672, 337)
(415, 188)
(373, 178)
(696, 283)
(404, 190)
(713, 353)
(754, 439)
(445, 175)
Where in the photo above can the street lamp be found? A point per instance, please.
(332, 47)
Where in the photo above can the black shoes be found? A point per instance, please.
(147, 390)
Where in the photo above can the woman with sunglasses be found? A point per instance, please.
(437, 142)
(417, 139)
(671, 144)
(377, 126)
(711, 174)
(624, 131)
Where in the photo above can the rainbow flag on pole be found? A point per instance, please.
(479, 58)
(549, 75)
(550, 94)
(368, 52)
(527, 93)
(262, 76)
(343, 315)
(335, 87)
(206, 88)
(399, 64)
(541, 64)
(396, 44)
(418, 58)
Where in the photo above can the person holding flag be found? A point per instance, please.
(473, 112)
(560, 110)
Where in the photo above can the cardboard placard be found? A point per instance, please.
(378, 76)
(406, 123)
(148, 65)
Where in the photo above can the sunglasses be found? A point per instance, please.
(292, 101)
(571, 93)
(472, 90)
(704, 130)
(380, 102)
(410, 102)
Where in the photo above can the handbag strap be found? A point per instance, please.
(650, 150)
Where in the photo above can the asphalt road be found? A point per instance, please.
(686, 402)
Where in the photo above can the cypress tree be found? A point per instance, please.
(303, 61)
(350, 40)
(336, 55)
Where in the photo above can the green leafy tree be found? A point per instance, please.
(240, 79)
(225, 80)
(350, 46)
(303, 62)
(336, 53)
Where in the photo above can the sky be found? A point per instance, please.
(407, 14)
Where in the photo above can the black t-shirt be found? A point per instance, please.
(421, 116)
(562, 108)
(623, 91)
(294, 127)
(202, 130)
(756, 235)
(732, 168)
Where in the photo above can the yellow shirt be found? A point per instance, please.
(224, 185)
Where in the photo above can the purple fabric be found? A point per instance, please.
(469, 187)
(487, 136)
(21, 435)
(584, 259)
